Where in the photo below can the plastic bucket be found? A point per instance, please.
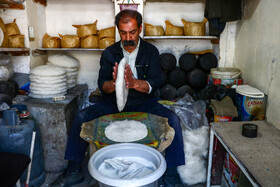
(251, 103)
(127, 150)
(225, 76)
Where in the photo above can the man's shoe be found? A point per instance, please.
(172, 181)
(68, 178)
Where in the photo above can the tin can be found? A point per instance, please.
(250, 105)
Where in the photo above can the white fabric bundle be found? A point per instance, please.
(121, 90)
(121, 168)
(70, 64)
(194, 171)
(6, 67)
(47, 81)
(196, 149)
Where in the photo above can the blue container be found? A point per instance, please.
(17, 139)
(251, 103)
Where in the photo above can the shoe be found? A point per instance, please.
(172, 181)
(67, 179)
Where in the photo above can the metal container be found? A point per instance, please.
(127, 150)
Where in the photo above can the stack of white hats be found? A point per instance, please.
(48, 81)
(70, 64)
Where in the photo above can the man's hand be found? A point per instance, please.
(132, 82)
(129, 78)
(109, 86)
(115, 73)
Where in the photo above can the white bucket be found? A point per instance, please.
(127, 150)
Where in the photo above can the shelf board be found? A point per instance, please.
(182, 37)
(40, 51)
(10, 5)
(16, 51)
(213, 39)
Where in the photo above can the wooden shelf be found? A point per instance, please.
(16, 51)
(213, 39)
(8, 4)
(41, 51)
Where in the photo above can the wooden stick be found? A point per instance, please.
(31, 156)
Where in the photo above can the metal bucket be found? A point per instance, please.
(127, 150)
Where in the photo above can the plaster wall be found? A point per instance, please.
(36, 16)
(257, 51)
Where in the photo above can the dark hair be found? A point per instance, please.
(128, 14)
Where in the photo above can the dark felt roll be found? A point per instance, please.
(177, 77)
(187, 62)
(167, 61)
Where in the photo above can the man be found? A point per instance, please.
(142, 77)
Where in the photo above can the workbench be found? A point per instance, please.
(54, 119)
(258, 158)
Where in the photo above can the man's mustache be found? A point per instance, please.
(129, 43)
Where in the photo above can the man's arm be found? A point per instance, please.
(109, 86)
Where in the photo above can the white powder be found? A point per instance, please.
(126, 131)
(126, 167)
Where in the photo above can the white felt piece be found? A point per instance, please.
(71, 69)
(196, 141)
(48, 81)
(70, 86)
(45, 96)
(4, 73)
(42, 92)
(194, 171)
(120, 86)
(46, 86)
(48, 71)
(40, 89)
(47, 78)
(126, 131)
(71, 81)
(72, 77)
(69, 74)
(63, 60)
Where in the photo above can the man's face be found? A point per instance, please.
(129, 33)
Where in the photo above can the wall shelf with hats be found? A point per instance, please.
(16, 51)
(41, 51)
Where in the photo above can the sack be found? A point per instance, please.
(89, 42)
(194, 28)
(172, 30)
(106, 42)
(16, 41)
(5, 42)
(151, 30)
(107, 33)
(70, 41)
(2, 25)
(86, 30)
(12, 28)
(51, 42)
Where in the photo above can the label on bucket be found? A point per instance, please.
(250, 108)
(222, 118)
(227, 82)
